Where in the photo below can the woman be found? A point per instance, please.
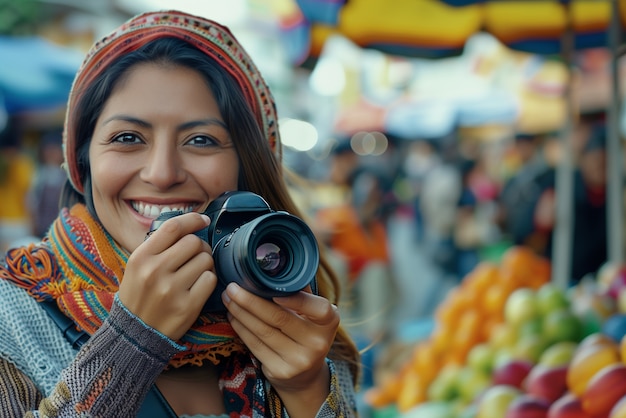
(168, 112)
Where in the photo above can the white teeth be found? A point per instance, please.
(153, 211)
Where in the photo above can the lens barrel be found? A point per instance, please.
(272, 255)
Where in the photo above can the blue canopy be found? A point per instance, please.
(35, 74)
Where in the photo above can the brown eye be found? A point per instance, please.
(127, 138)
(202, 141)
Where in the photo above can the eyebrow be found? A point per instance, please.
(181, 127)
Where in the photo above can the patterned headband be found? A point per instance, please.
(213, 39)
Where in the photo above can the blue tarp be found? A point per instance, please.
(35, 73)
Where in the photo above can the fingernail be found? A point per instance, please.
(225, 298)
(232, 289)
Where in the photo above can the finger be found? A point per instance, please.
(294, 322)
(173, 229)
(265, 353)
(267, 319)
(203, 288)
(182, 252)
(189, 272)
(281, 357)
(315, 308)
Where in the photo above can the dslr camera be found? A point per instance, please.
(270, 253)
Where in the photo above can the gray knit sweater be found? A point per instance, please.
(124, 358)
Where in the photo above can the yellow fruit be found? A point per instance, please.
(587, 362)
(521, 306)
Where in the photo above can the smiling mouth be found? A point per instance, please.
(152, 211)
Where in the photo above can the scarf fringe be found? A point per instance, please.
(33, 269)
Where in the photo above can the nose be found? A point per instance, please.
(163, 167)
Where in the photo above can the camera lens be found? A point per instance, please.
(272, 255)
(270, 258)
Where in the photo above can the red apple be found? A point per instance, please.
(604, 389)
(547, 382)
(512, 372)
(528, 406)
(567, 406)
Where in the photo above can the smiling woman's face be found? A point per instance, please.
(160, 143)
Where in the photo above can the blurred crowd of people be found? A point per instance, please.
(467, 200)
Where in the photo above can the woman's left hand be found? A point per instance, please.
(291, 337)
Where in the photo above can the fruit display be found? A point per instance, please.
(508, 343)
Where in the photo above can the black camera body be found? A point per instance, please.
(270, 253)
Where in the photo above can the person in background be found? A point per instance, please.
(48, 181)
(442, 187)
(356, 232)
(167, 112)
(420, 159)
(519, 195)
(16, 172)
(589, 247)
(467, 235)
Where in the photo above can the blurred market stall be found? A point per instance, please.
(37, 74)
(558, 29)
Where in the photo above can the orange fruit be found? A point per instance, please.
(518, 259)
(488, 327)
(425, 361)
(385, 393)
(412, 391)
(482, 277)
(471, 321)
(441, 339)
(494, 299)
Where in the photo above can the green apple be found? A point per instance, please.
(503, 356)
(481, 357)
(532, 326)
(558, 354)
(530, 347)
(521, 306)
(562, 325)
(550, 297)
(503, 336)
(495, 401)
(471, 383)
(445, 385)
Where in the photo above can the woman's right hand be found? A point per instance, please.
(170, 276)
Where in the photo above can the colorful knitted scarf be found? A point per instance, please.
(80, 266)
